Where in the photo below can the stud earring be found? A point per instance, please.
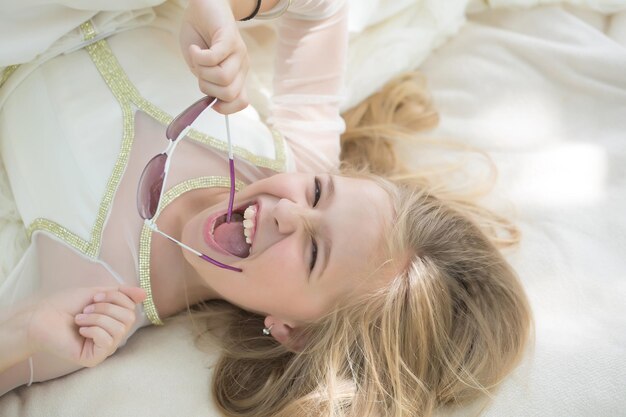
(267, 330)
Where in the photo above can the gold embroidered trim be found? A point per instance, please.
(6, 73)
(89, 32)
(121, 88)
(60, 231)
(133, 95)
(146, 234)
(127, 95)
(276, 165)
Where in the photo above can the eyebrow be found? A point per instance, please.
(330, 195)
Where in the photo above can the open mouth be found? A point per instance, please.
(230, 236)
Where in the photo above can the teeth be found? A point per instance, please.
(250, 212)
(248, 224)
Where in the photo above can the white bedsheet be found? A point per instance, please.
(544, 91)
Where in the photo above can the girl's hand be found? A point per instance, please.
(57, 326)
(215, 53)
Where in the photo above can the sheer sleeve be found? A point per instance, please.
(308, 81)
(49, 266)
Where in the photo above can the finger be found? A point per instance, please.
(114, 328)
(240, 103)
(190, 36)
(121, 314)
(115, 297)
(228, 93)
(136, 294)
(100, 337)
(209, 57)
(223, 74)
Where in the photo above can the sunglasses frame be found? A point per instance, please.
(175, 132)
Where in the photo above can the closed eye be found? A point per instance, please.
(318, 191)
(313, 254)
(317, 187)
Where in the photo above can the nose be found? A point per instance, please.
(288, 216)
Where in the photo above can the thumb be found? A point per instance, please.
(136, 294)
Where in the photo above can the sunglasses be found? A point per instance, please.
(154, 175)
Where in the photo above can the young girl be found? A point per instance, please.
(354, 294)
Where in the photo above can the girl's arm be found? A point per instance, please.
(65, 331)
(308, 74)
(214, 50)
(14, 343)
(15, 349)
(308, 80)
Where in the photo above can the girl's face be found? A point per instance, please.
(289, 273)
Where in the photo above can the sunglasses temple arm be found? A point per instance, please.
(170, 148)
(201, 255)
(231, 165)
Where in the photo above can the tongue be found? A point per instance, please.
(230, 237)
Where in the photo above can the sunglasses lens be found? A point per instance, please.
(150, 186)
(187, 117)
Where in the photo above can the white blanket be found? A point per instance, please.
(544, 91)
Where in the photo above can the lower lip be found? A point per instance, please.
(208, 236)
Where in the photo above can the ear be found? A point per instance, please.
(286, 335)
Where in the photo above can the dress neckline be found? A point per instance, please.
(146, 234)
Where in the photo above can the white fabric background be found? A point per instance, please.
(544, 92)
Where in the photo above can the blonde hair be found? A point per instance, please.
(444, 331)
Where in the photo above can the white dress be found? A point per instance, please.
(78, 128)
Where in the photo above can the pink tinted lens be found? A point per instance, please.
(150, 186)
(187, 117)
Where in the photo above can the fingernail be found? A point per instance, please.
(89, 309)
(81, 317)
(99, 296)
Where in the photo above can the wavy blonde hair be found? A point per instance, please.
(445, 331)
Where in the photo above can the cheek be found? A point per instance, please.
(280, 185)
(281, 264)
(273, 282)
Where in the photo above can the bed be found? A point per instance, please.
(543, 90)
